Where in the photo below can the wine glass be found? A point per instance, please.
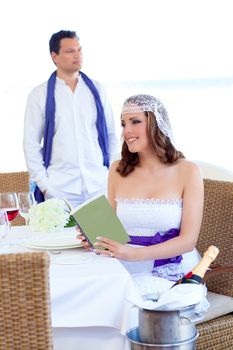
(26, 201)
(4, 224)
(9, 203)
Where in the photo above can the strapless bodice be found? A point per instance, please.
(146, 217)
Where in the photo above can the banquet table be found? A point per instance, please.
(89, 293)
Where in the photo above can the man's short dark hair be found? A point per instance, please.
(55, 40)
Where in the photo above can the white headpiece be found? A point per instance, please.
(148, 103)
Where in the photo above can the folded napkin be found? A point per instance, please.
(180, 296)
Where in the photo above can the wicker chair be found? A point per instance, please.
(25, 321)
(217, 229)
(15, 182)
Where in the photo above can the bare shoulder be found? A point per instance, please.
(114, 166)
(113, 183)
(188, 167)
(113, 169)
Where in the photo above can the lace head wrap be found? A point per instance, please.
(148, 103)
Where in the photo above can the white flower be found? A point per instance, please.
(48, 216)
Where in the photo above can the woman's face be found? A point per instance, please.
(135, 131)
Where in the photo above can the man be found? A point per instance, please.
(72, 117)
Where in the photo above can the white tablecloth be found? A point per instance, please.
(89, 294)
(88, 297)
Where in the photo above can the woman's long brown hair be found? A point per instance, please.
(161, 144)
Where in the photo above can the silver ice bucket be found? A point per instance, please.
(167, 326)
(137, 344)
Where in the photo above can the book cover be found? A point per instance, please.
(96, 217)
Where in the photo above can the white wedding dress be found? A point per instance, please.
(146, 217)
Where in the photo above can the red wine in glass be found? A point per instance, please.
(9, 202)
(12, 213)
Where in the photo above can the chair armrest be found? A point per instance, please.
(217, 270)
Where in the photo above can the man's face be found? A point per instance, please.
(69, 58)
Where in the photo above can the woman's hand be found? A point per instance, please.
(115, 249)
(84, 242)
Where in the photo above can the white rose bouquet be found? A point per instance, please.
(49, 216)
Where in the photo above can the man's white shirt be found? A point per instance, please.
(77, 162)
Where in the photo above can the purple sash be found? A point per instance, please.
(156, 239)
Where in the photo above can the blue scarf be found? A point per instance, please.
(50, 125)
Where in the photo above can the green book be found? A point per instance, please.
(95, 217)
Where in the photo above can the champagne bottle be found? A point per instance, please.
(198, 272)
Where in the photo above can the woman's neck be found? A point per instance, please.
(150, 162)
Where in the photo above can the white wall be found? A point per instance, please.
(125, 40)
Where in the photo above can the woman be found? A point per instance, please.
(158, 196)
